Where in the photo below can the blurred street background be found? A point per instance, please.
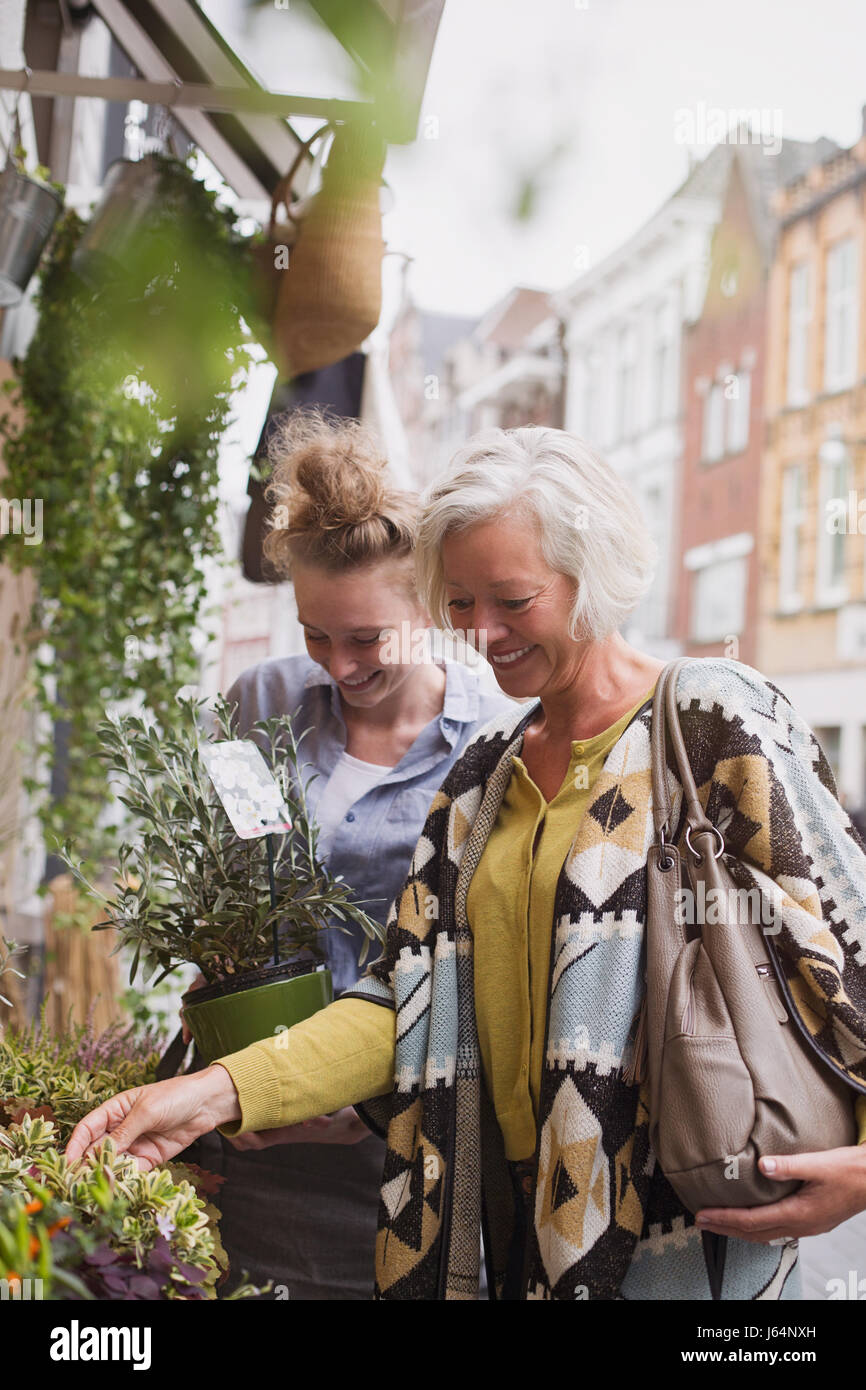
(642, 224)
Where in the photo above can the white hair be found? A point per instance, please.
(590, 526)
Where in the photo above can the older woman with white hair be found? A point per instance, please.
(497, 1044)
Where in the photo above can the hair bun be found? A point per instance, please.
(330, 485)
(342, 489)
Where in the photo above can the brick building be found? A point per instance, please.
(715, 591)
(812, 602)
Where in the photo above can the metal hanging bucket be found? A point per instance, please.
(130, 191)
(28, 212)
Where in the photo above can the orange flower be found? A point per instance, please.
(33, 1206)
(59, 1224)
(34, 1247)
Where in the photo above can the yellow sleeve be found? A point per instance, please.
(340, 1055)
(860, 1113)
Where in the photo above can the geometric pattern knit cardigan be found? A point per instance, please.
(604, 1222)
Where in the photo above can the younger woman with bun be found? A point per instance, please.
(384, 734)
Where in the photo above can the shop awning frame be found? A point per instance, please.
(188, 67)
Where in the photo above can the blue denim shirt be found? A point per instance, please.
(373, 846)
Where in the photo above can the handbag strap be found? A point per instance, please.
(666, 721)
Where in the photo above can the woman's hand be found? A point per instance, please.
(155, 1122)
(343, 1127)
(834, 1189)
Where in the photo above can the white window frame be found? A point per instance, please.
(713, 424)
(840, 317)
(662, 363)
(799, 332)
(592, 399)
(626, 382)
(724, 562)
(739, 406)
(791, 537)
(834, 474)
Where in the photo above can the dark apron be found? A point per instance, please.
(301, 1215)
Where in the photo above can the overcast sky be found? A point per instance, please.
(581, 97)
(583, 94)
(512, 79)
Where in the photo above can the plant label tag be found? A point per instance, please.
(246, 787)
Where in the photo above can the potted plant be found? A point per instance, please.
(30, 204)
(189, 890)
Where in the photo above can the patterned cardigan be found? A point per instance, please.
(604, 1222)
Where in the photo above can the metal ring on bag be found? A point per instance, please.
(669, 861)
(716, 831)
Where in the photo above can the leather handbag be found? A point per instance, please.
(732, 1074)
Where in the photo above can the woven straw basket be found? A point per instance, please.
(330, 298)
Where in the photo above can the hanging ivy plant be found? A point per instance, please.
(124, 393)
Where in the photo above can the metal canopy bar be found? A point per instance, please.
(195, 96)
(174, 40)
(250, 163)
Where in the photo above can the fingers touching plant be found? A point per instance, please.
(99, 1227)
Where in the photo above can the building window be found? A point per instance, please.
(662, 363)
(719, 600)
(832, 524)
(799, 318)
(713, 446)
(589, 398)
(840, 342)
(793, 521)
(583, 398)
(718, 590)
(626, 383)
(739, 392)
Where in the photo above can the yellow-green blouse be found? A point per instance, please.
(510, 909)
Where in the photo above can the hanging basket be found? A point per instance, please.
(132, 188)
(330, 298)
(28, 212)
(269, 257)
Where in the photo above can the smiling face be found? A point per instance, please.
(347, 617)
(499, 584)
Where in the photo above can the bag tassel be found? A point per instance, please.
(636, 1070)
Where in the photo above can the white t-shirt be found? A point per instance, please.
(349, 781)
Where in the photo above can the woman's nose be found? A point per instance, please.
(341, 667)
(485, 628)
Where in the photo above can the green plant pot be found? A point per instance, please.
(230, 1015)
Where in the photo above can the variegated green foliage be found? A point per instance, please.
(108, 1182)
(71, 1072)
(139, 1222)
